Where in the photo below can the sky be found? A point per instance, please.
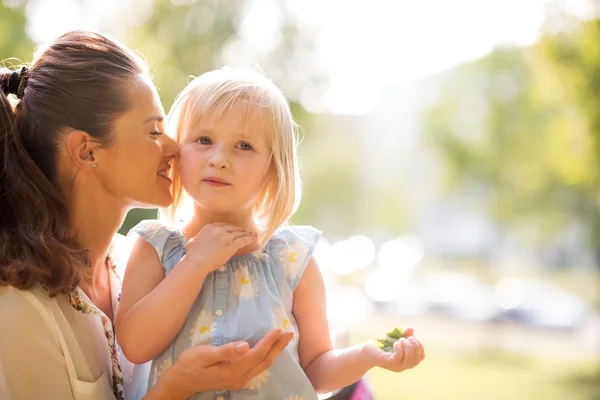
(362, 45)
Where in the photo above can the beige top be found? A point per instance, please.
(50, 350)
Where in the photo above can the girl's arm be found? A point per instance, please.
(326, 368)
(153, 307)
(330, 369)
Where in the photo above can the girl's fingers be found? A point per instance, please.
(241, 234)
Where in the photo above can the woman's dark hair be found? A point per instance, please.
(76, 82)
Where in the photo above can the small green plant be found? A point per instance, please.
(387, 343)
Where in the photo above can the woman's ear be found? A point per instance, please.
(81, 148)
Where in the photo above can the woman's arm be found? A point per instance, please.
(153, 307)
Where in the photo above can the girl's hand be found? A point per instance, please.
(408, 353)
(215, 244)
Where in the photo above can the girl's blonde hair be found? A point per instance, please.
(216, 93)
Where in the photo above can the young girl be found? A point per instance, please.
(236, 271)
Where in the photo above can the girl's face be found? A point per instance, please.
(224, 161)
(136, 164)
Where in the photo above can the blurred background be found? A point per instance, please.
(450, 153)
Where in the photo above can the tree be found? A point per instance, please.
(15, 45)
(520, 128)
(572, 73)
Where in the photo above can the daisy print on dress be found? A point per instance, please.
(292, 258)
(281, 320)
(246, 286)
(294, 347)
(258, 381)
(203, 328)
(260, 256)
(162, 367)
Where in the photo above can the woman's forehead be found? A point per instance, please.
(144, 99)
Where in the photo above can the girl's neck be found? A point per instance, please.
(202, 218)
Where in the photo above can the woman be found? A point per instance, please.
(81, 145)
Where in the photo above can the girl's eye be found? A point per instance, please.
(156, 133)
(204, 140)
(244, 146)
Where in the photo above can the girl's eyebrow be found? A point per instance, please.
(243, 135)
(236, 134)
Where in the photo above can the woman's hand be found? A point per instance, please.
(228, 367)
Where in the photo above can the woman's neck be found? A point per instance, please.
(95, 219)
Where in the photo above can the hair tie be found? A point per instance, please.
(17, 82)
(22, 82)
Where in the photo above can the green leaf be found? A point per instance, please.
(387, 343)
(396, 333)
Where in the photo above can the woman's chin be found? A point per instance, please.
(165, 200)
(158, 200)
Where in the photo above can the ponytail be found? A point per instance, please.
(36, 245)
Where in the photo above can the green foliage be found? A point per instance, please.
(330, 186)
(520, 128)
(184, 38)
(135, 216)
(15, 45)
(573, 60)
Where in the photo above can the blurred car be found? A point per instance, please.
(460, 295)
(545, 305)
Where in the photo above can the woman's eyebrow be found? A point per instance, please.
(157, 118)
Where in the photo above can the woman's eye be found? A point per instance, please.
(204, 140)
(244, 146)
(156, 133)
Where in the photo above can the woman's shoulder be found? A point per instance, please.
(11, 297)
(25, 308)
